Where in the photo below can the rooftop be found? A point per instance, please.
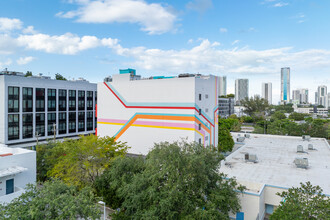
(275, 166)
(8, 151)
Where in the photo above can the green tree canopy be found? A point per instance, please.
(231, 124)
(287, 108)
(226, 142)
(304, 202)
(54, 200)
(230, 95)
(278, 115)
(84, 159)
(59, 77)
(28, 73)
(254, 105)
(180, 181)
(297, 116)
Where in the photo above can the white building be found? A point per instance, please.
(17, 168)
(142, 112)
(300, 96)
(223, 85)
(40, 108)
(267, 92)
(322, 96)
(241, 90)
(285, 85)
(265, 165)
(314, 111)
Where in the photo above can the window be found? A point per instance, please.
(200, 97)
(9, 186)
(62, 100)
(40, 124)
(62, 123)
(199, 126)
(27, 125)
(51, 117)
(206, 96)
(95, 98)
(206, 110)
(207, 138)
(13, 126)
(27, 99)
(72, 100)
(72, 122)
(51, 99)
(200, 141)
(81, 121)
(89, 121)
(81, 100)
(200, 111)
(90, 100)
(13, 99)
(40, 100)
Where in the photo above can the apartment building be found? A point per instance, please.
(226, 107)
(142, 112)
(36, 109)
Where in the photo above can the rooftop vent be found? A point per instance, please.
(311, 147)
(251, 158)
(300, 149)
(306, 137)
(108, 79)
(247, 135)
(301, 162)
(240, 139)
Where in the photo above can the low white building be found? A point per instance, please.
(17, 168)
(265, 165)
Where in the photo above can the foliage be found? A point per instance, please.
(28, 73)
(320, 106)
(247, 119)
(230, 124)
(287, 108)
(85, 158)
(297, 116)
(59, 77)
(254, 105)
(54, 200)
(230, 95)
(179, 181)
(226, 142)
(304, 202)
(278, 115)
(121, 172)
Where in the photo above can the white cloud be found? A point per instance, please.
(200, 5)
(190, 41)
(62, 44)
(154, 18)
(7, 24)
(24, 60)
(223, 30)
(8, 45)
(235, 42)
(29, 30)
(4, 64)
(280, 4)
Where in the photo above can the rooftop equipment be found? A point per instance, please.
(300, 149)
(306, 137)
(251, 157)
(310, 147)
(240, 139)
(247, 135)
(301, 163)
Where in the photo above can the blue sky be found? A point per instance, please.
(237, 38)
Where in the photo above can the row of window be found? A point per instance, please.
(14, 97)
(40, 124)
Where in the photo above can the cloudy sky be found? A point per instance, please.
(237, 38)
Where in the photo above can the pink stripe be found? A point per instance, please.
(111, 120)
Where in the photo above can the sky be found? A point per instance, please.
(234, 38)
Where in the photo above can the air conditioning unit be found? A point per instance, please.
(306, 137)
(301, 162)
(251, 158)
(310, 147)
(247, 135)
(240, 139)
(300, 149)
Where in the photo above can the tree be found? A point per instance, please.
(85, 159)
(226, 142)
(297, 116)
(287, 108)
(230, 123)
(54, 200)
(278, 115)
(59, 77)
(304, 202)
(254, 105)
(180, 181)
(28, 73)
(121, 172)
(230, 95)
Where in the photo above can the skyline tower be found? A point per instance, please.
(223, 85)
(241, 89)
(267, 92)
(285, 84)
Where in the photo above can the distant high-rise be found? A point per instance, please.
(322, 96)
(300, 96)
(223, 85)
(316, 98)
(285, 84)
(296, 96)
(241, 90)
(267, 92)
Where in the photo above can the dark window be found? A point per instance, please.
(95, 98)
(40, 100)
(200, 141)
(200, 97)
(199, 126)
(27, 125)
(72, 100)
(200, 111)
(62, 123)
(90, 100)
(13, 126)
(40, 124)
(81, 100)
(51, 117)
(51, 99)
(72, 122)
(81, 121)
(62, 100)
(89, 121)
(27, 99)
(13, 99)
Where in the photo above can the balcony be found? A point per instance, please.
(9, 197)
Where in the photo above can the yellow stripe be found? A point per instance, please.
(110, 123)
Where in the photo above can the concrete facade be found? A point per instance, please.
(241, 90)
(226, 107)
(266, 92)
(222, 85)
(147, 111)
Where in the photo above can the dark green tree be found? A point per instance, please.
(28, 73)
(59, 77)
(287, 108)
(297, 116)
(54, 200)
(230, 95)
(304, 202)
(226, 142)
(278, 115)
(231, 124)
(180, 181)
(255, 105)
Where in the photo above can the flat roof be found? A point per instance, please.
(8, 151)
(275, 164)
